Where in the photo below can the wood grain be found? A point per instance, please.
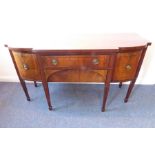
(32, 73)
(121, 72)
(81, 62)
(72, 75)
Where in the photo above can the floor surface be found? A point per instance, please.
(76, 106)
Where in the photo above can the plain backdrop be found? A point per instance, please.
(29, 22)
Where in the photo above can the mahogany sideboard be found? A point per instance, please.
(108, 58)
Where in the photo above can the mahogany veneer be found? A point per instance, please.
(114, 58)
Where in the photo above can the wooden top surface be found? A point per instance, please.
(89, 41)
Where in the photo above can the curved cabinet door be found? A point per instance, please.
(126, 66)
(27, 66)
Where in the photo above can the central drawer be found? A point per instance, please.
(81, 62)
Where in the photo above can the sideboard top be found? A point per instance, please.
(86, 41)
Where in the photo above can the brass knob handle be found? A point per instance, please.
(54, 61)
(95, 61)
(26, 66)
(128, 67)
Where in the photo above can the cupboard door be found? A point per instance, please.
(126, 66)
(27, 65)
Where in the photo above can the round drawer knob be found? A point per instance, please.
(95, 61)
(25, 66)
(128, 67)
(54, 62)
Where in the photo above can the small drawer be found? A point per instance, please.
(80, 62)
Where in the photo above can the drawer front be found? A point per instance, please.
(126, 66)
(27, 65)
(80, 62)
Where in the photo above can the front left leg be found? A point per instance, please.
(23, 84)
